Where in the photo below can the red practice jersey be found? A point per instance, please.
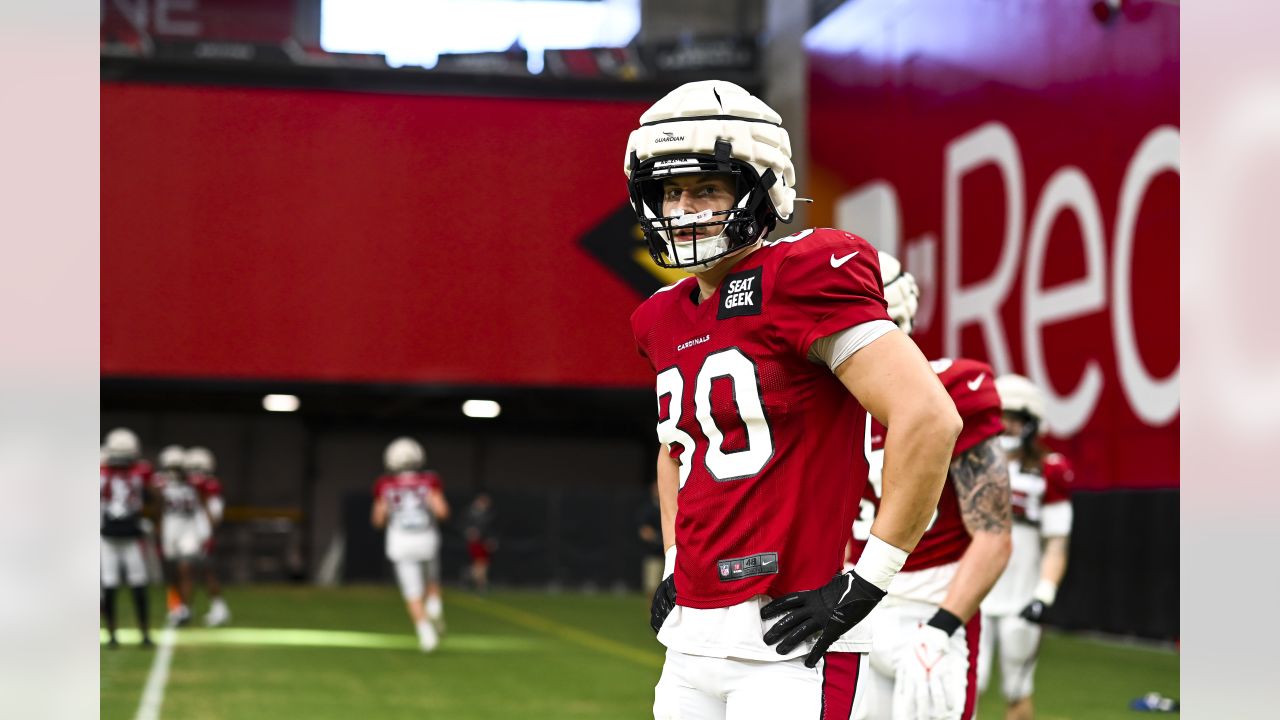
(767, 440)
(406, 497)
(972, 388)
(1031, 492)
(208, 485)
(121, 494)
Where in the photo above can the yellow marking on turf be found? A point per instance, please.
(302, 637)
(564, 632)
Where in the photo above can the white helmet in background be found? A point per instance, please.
(171, 457)
(121, 447)
(710, 126)
(1020, 395)
(404, 454)
(198, 460)
(900, 292)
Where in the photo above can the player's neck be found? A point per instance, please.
(709, 280)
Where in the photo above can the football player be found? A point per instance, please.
(123, 488)
(199, 465)
(182, 527)
(481, 542)
(1013, 611)
(768, 360)
(409, 502)
(924, 658)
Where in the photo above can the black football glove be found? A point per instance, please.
(664, 599)
(831, 609)
(1034, 611)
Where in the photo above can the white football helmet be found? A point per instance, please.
(710, 126)
(1020, 395)
(198, 460)
(900, 291)
(404, 454)
(121, 447)
(171, 457)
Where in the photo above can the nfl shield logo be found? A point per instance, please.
(724, 569)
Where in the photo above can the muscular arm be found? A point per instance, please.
(379, 516)
(894, 382)
(668, 488)
(981, 479)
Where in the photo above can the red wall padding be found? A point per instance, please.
(297, 234)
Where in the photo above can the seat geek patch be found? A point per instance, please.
(740, 294)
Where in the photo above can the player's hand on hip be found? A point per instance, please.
(930, 678)
(1034, 611)
(664, 599)
(828, 612)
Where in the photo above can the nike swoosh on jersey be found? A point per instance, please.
(837, 262)
(976, 382)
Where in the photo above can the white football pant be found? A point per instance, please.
(1018, 642)
(412, 575)
(416, 556)
(123, 551)
(694, 687)
(181, 539)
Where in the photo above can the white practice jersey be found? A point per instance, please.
(1041, 508)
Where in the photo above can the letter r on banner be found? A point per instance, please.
(980, 302)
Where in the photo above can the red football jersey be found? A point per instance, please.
(766, 439)
(972, 388)
(121, 495)
(208, 485)
(1058, 477)
(406, 497)
(1032, 493)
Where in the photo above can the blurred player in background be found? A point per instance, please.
(183, 527)
(480, 540)
(123, 489)
(1013, 611)
(199, 465)
(409, 502)
(925, 655)
(768, 360)
(649, 521)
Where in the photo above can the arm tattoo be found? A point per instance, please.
(981, 477)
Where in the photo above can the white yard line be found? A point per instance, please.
(153, 693)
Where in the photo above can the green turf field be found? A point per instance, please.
(301, 652)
